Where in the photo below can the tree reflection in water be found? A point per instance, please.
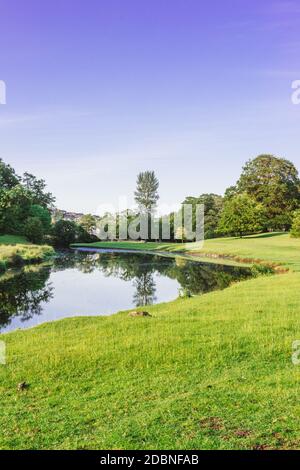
(25, 293)
(22, 293)
(145, 290)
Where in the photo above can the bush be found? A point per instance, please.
(34, 230)
(64, 233)
(295, 230)
(83, 236)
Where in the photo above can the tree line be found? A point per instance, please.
(25, 209)
(265, 198)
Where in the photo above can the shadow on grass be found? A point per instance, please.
(267, 235)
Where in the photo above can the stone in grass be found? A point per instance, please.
(22, 386)
(137, 313)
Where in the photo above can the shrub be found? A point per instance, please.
(64, 233)
(83, 236)
(34, 230)
(295, 230)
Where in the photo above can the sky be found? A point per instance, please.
(99, 90)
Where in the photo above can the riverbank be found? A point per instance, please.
(16, 251)
(208, 372)
(275, 249)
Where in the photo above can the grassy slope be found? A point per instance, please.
(15, 250)
(208, 372)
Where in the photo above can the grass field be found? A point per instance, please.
(210, 372)
(16, 251)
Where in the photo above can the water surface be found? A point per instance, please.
(101, 283)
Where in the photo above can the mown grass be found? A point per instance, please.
(209, 372)
(277, 248)
(16, 251)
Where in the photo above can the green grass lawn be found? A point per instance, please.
(13, 239)
(16, 250)
(210, 372)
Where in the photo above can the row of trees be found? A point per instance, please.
(266, 197)
(25, 209)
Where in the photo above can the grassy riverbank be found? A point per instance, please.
(210, 372)
(274, 248)
(16, 251)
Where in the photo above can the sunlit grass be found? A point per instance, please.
(209, 372)
(16, 251)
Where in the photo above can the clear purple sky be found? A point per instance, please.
(98, 90)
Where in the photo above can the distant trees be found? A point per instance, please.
(24, 204)
(265, 197)
(88, 222)
(241, 215)
(274, 183)
(180, 234)
(66, 232)
(213, 205)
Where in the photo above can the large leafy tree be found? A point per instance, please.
(241, 215)
(213, 204)
(37, 187)
(8, 177)
(274, 183)
(43, 215)
(15, 207)
(22, 198)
